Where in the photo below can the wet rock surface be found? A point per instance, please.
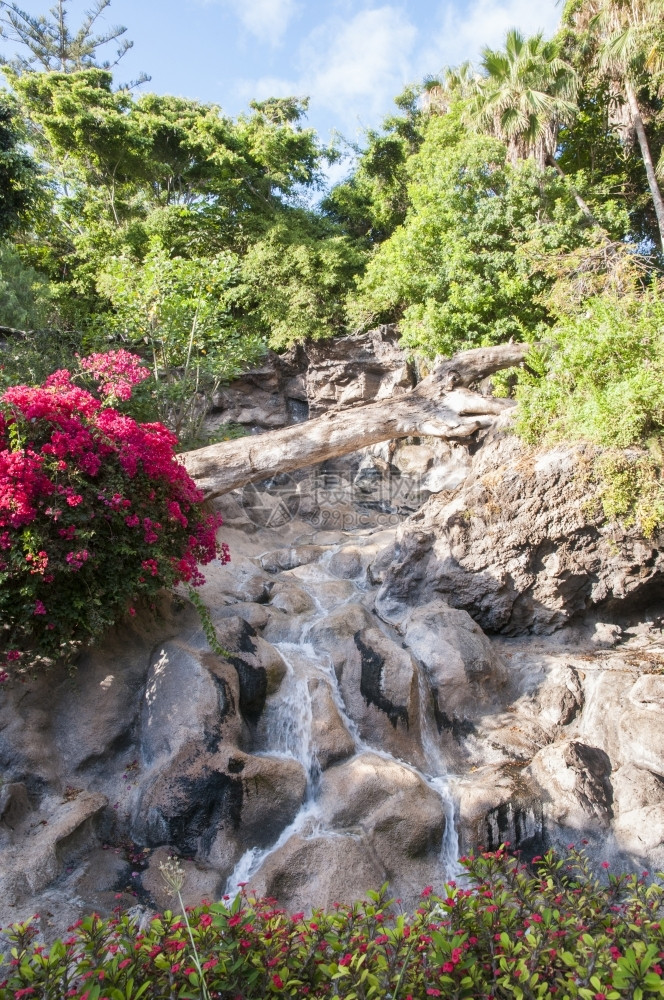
(393, 689)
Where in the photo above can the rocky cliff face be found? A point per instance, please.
(398, 687)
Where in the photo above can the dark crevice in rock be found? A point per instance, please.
(214, 797)
(370, 684)
(253, 689)
(460, 728)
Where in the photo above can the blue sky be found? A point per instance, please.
(351, 57)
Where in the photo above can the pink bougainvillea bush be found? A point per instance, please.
(95, 510)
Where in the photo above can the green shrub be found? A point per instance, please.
(599, 377)
(505, 931)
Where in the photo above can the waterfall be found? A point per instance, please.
(288, 727)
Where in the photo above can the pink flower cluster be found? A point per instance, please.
(116, 372)
(72, 467)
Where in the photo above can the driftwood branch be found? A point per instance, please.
(440, 406)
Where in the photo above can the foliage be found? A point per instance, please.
(373, 201)
(293, 282)
(631, 487)
(24, 293)
(623, 44)
(179, 311)
(452, 274)
(523, 95)
(507, 933)
(600, 376)
(95, 510)
(18, 171)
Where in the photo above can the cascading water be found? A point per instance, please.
(287, 729)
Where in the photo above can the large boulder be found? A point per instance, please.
(378, 680)
(464, 670)
(213, 806)
(378, 821)
(641, 724)
(575, 781)
(521, 545)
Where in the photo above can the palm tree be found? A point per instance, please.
(625, 39)
(525, 94)
(454, 84)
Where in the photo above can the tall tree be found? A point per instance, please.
(625, 40)
(526, 91)
(18, 171)
(525, 94)
(48, 43)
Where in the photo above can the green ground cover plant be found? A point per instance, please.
(503, 930)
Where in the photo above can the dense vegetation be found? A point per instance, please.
(493, 204)
(507, 932)
(519, 199)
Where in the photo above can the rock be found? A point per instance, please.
(244, 582)
(464, 671)
(349, 563)
(519, 546)
(319, 871)
(575, 781)
(498, 805)
(314, 377)
(331, 740)
(98, 707)
(414, 460)
(291, 599)
(518, 740)
(184, 700)
(14, 805)
(278, 560)
(213, 806)
(641, 726)
(200, 881)
(387, 825)
(256, 615)
(561, 697)
(606, 635)
(260, 667)
(391, 804)
(355, 369)
(377, 678)
(639, 805)
(39, 854)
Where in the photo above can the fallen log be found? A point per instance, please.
(440, 406)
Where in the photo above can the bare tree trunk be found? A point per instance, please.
(440, 406)
(583, 205)
(655, 192)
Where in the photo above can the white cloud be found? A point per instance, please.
(464, 32)
(349, 67)
(355, 61)
(363, 62)
(267, 20)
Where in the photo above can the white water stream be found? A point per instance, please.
(288, 724)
